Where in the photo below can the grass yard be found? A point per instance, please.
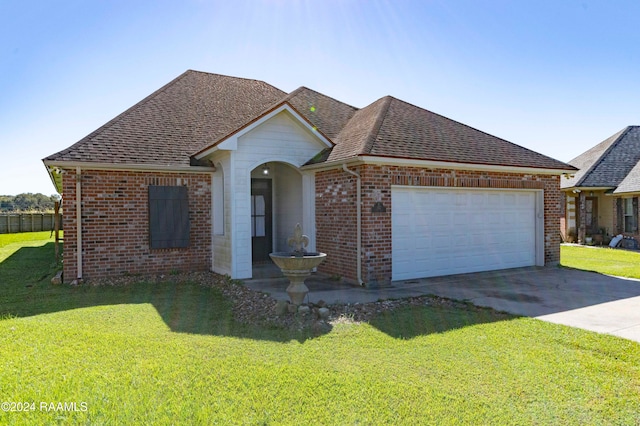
(167, 353)
(621, 263)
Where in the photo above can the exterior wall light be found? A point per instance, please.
(265, 169)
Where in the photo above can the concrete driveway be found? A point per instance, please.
(576, 298)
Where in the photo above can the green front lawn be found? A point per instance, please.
(621, 263)
(166, 353)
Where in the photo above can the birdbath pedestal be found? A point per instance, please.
(297, 265)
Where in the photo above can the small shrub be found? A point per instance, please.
(571, 236)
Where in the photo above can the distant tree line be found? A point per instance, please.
(28, 202)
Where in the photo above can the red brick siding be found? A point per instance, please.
(563, 228)
(336, 222)
(553, 199)
(115, 224)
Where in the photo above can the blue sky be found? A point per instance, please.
(553, 76)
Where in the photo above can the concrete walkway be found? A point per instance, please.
(576, 298)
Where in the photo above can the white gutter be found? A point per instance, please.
(79, 221)
(431, 164)
(358, 224)
(587, 188)
(130, 167)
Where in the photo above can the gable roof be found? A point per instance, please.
(323, 113)
(613, 163)
(197, 111)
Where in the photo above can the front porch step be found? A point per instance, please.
(266, 270)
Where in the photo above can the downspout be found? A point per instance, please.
(79, 223)
(358, 223)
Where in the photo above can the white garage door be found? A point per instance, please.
(454, 231)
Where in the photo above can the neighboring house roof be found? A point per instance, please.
(197, 111)
(613, 163)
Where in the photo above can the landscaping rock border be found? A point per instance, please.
(257, 308)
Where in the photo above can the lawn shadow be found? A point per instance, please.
(28, 265)
(200, 308)
(407, 322)
(186, 307)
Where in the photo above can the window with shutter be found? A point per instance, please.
(629, 222)
(168, 217)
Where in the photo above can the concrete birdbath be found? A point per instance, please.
(297, 265)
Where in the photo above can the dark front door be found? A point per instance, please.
(261, 230)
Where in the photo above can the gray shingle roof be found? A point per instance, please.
(631, 182)
(407, 131)
(610, 164)
(167, 127)
(198, 110)
(327, 114)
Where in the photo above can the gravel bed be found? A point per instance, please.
(257, 308)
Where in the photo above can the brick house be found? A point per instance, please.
(602, 197)
(213, 172)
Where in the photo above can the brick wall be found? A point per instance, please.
(336, 222)
(553, 198)
(115, 224)
(336, 210)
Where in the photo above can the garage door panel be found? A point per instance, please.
(478, 219)
(460, 219)
(441, 219)
(477, 199)
(527, 202)
(441, 199)
(423, 243)
(461, 199)
(450, 231)
(494, 219)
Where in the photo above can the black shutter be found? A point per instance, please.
(619, 216)
(168, 217)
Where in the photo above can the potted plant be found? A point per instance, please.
(598, 238)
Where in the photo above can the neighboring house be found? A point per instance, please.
(602, 197)
(213, 172)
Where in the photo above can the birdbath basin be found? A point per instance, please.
(297, 265)
(297, 269)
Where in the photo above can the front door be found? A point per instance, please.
(261, 223)
(591, 215)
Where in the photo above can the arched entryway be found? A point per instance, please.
(276, 205)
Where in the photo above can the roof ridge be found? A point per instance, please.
(603, 155)
(299, 89)
(232, 76)
(375, 129)
(290, 95)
